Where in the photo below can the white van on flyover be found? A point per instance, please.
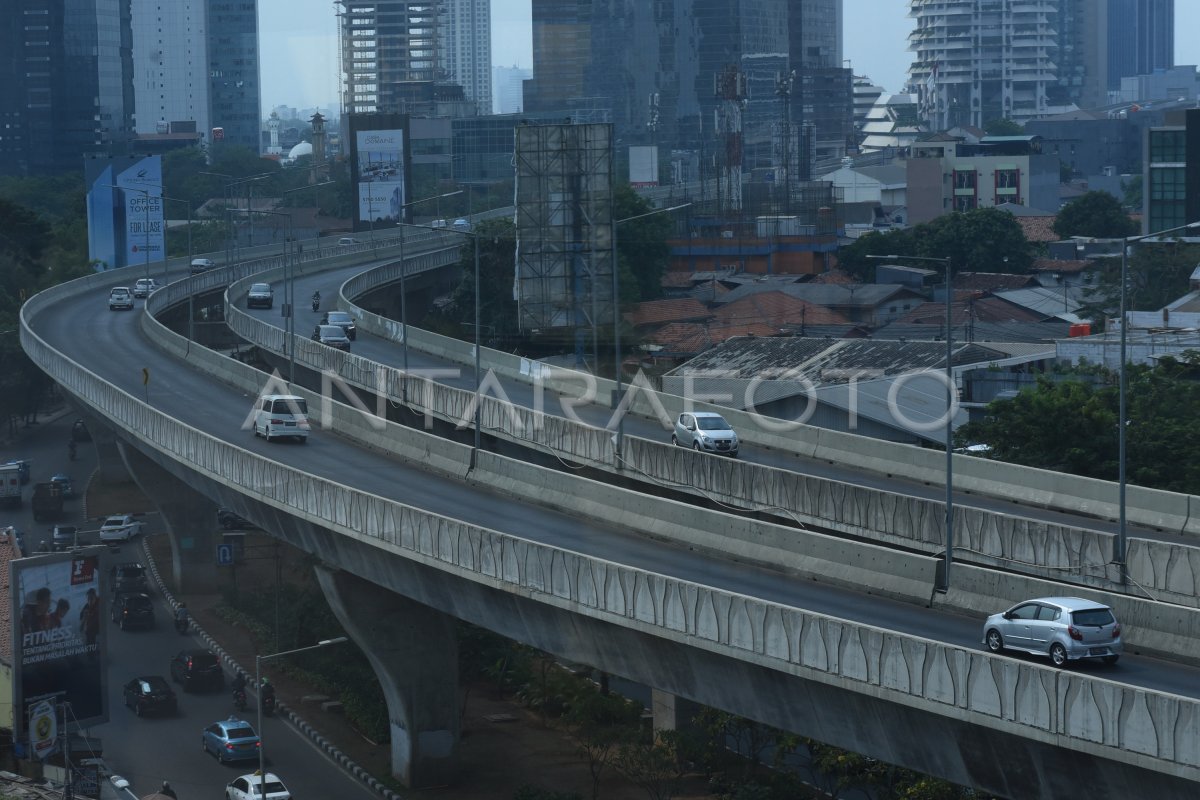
(279, 416)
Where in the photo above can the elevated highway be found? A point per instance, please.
(408, 547)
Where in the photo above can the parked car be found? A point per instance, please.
(201, 265)
(197, 669)
(255, 786)
(80, 432)
(148, 694)
(343, 320)
(129, 577)
(230, 740)
(144, 287)
(120, 528)
(231, 521)
(132, 610)
(705, 431)
(261, 295)
(1063, 628)
(64, 482)
(120, 298)
(332, 335)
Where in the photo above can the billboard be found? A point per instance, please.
(125, 210)
(379, 154)
(564, 193)
(59, 637)
(643, 166)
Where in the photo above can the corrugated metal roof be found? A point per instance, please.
(777, 309)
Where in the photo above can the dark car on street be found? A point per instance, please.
(133, 610)
(150, 694)
(197, 669)
(332, 335)
(343, 320)
(129, 578)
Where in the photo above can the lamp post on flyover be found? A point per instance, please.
(289, 293)
(262, 755)
(403, 288)
(950, 398)
(146, 223)
(1122, 539)
(229, 190)
(616, 288)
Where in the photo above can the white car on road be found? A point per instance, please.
(247, 788)
(120, 528)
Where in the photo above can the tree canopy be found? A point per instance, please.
(1070, 425)
(1095, 214)
(981, 240)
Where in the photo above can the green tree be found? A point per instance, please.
(981, 240)
(601, 724)
(1132, 190)
(497, 309)
(1095, 214)
(1003, 127)
(642, 251)
(1157, 273)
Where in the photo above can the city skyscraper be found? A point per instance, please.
(465, 48)
(66, 83)
(1141, 38)
(652, 69)
(386, 46)
(171, 76)
(977, 62)
(233, 67)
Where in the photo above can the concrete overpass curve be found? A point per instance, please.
(1049, 553)
(646, 615)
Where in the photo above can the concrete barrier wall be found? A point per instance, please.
(1167, 511)
(1129, 725)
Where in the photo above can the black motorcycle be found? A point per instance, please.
(239, 699)
(316, 302)
(268, 704)
(181, 625)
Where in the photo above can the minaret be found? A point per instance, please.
(273, 127)
(319, 167)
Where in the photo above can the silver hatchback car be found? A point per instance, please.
(1063, 628)
(706, 431)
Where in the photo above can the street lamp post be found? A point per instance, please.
(1119, 547)
(616, 299)
(146, 223)
(262, 754)
(289, 293)
(404, 289)
(950, 400)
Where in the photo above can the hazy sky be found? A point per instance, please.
(299, 44)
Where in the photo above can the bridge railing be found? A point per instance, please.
(1126, 724)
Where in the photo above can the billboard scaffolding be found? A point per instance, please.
(564, 269)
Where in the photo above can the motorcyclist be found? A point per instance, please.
(167, 791)
(316, 300)
(181, 616)
(266, 693)
(239, 689)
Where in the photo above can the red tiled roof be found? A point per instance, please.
(658, 312)
(677, 280)
(833, 276)
(989, 281)
(778, 310)
(690, 338)
(1038, 229)
(1063, 265)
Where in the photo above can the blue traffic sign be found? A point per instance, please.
(224, 555)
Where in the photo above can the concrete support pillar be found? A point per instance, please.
(671, 713)
(188, 517)
(414, 651)
(110, 467)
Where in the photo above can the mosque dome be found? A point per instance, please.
(302, 149)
